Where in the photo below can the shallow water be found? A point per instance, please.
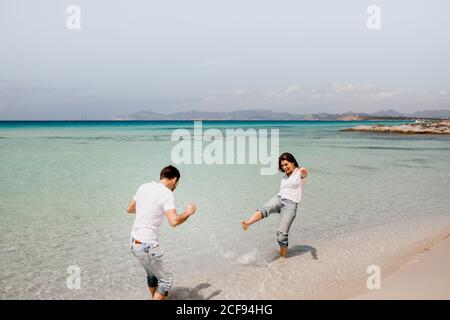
(65, 186)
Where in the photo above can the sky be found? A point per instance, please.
(210, 55)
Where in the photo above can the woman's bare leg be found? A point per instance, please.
(254, 218)
(283, 252)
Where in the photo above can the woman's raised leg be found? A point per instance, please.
(254, 218)
(273, 205)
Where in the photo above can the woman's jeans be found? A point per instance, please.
(288, 210)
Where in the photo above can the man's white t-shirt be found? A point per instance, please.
(291, 187)
(153, 199)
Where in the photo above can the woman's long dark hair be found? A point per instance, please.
(289, 157)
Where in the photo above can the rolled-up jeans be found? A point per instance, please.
(152, 259)
(288, 210)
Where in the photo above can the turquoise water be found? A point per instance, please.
(65, 186)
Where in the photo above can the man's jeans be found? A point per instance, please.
(152, 259)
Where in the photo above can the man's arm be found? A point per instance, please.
(177, 219)
(131, 207)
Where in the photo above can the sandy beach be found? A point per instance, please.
(426, 276)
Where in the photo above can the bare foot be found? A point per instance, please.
(245, 225)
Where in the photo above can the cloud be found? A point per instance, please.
(336, 90)
(291, 89)
(284, 93)
(335, 97)
(212, 62)
(341, 88)
(384, 94)
(314, 96)
(210, 99)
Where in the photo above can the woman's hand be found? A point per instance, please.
(303, 173)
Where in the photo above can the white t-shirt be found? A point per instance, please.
(153, 199)
(291, 187)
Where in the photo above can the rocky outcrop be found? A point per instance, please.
(419, 127)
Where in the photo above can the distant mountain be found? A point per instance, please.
(253, 114)
(387, 113)
(441, 114)
(257, 114)
(143, 115)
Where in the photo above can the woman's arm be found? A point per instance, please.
(303, 172)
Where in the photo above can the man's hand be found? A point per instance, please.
(175, 219)
(190, 209)
(303, 173)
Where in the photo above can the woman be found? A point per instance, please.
(285, 202)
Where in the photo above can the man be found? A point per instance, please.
(151, 203)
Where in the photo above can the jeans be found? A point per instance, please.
(288, 210)
(152, 259)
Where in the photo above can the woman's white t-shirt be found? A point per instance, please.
(291, 187)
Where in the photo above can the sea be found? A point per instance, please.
(371, 199)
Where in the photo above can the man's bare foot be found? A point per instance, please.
(245, 225)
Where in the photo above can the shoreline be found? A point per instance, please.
(313, 270)
(425, 276)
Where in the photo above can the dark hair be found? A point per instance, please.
(169, 172)
(289, 157)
